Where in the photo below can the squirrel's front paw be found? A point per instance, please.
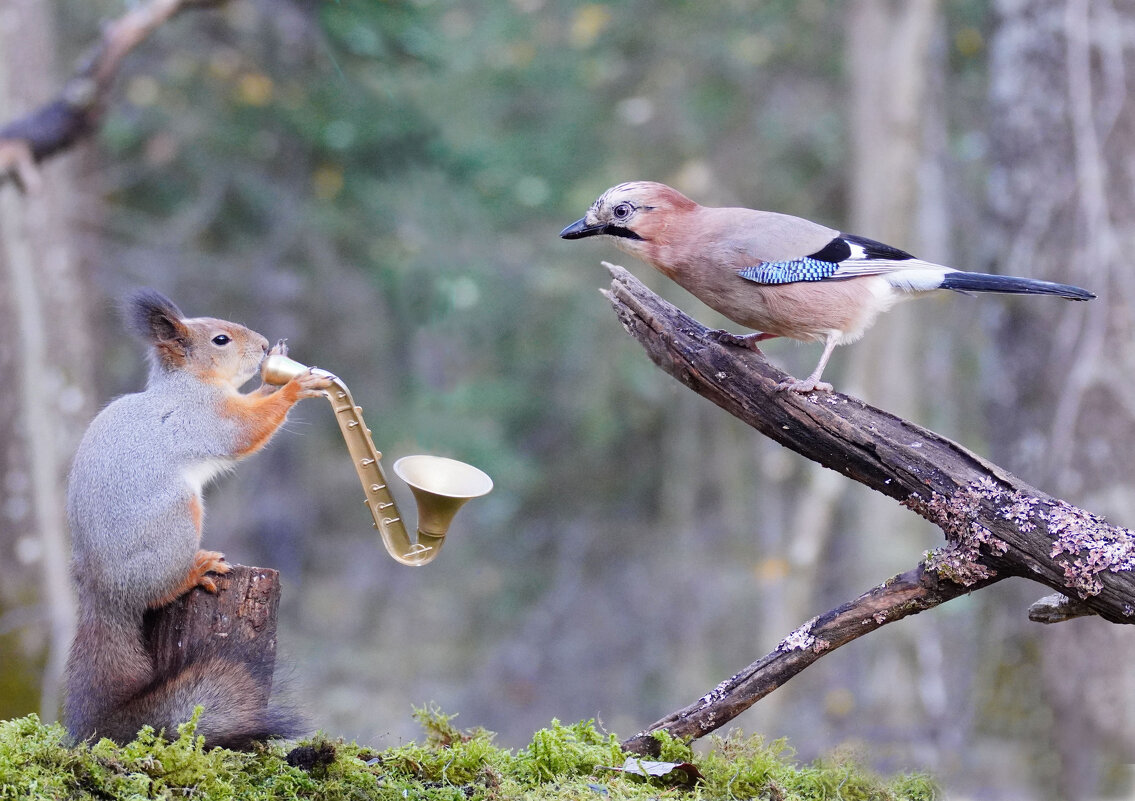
(208, 562)
(280, 348)
(312, 384)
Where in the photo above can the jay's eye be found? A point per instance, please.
(622, 211)
(221, 339)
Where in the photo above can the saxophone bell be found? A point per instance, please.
(440, 486)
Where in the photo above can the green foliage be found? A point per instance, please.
(562, 752)
(35, 762)
(561, 762)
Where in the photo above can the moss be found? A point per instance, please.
(562, 762)
(563, 752)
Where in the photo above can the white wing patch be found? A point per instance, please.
(908, 275)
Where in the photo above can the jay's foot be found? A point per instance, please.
(807, 385)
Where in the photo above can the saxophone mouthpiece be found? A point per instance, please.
(279, 370)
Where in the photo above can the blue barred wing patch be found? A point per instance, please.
(788, 272)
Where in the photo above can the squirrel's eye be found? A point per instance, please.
(221, 339)
(622, 211)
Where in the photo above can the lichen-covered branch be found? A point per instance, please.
(1057, 608)
(74, 113)
(994, 523)
(905, 594)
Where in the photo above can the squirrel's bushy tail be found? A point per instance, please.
(236, 713)
(113, 691)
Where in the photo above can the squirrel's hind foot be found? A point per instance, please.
(204, 562)
(207, 562)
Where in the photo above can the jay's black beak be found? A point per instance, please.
(580, 229)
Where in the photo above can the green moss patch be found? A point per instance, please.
(562, 762)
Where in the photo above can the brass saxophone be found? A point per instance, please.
(441, 486)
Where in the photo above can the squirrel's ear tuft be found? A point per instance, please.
(151, 315)
(155, 318)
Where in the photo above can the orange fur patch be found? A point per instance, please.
(197, 515)
(261, 415)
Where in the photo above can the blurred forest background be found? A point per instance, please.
(383, 183)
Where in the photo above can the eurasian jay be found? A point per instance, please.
(781, 275)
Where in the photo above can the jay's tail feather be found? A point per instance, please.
(981, 282)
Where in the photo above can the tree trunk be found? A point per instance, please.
(1061, 125)
(45, 334)
(891, 59)
(45, 358)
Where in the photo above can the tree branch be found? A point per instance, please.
(995, 525)
(905, 594)
(74, 114)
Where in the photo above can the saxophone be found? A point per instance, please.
(440, 486)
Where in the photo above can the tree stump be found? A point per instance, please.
(236, 623)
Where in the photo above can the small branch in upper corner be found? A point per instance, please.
(18, 161)
(74, 113)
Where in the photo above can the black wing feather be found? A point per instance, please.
(876, 250)
(835, 251)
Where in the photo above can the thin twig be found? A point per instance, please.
(905, 594)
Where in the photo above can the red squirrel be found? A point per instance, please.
(134, 504)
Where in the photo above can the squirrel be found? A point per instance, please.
(134, 504)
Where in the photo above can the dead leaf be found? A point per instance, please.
(685, 774)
